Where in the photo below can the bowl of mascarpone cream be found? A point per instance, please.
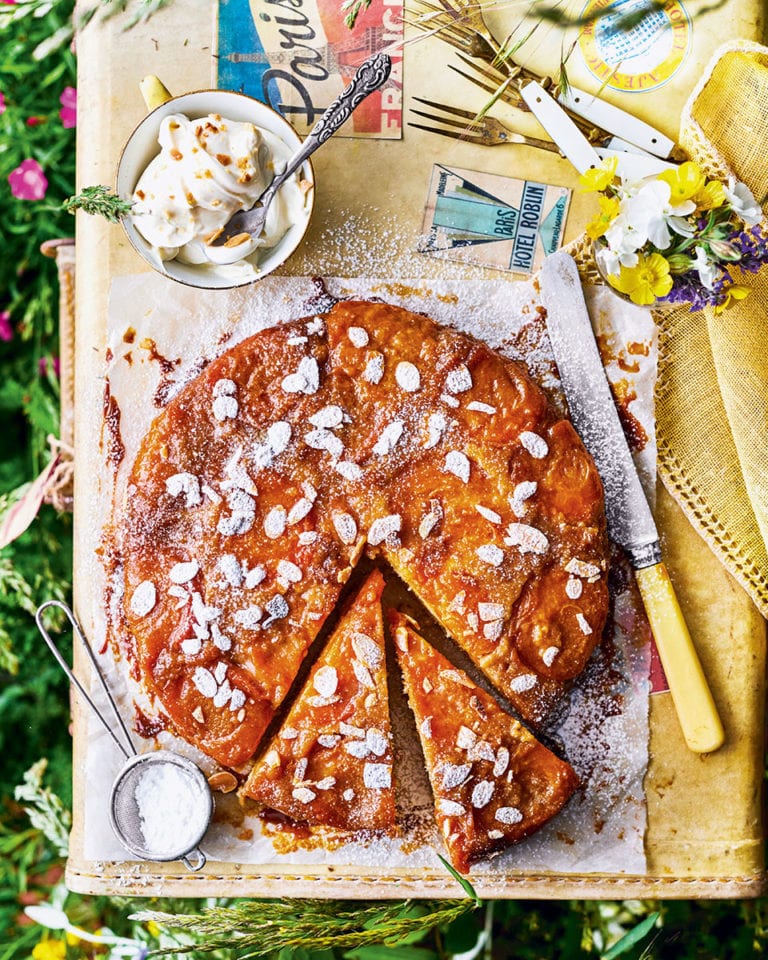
(192, 163)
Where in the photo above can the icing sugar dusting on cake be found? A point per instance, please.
(464, 406)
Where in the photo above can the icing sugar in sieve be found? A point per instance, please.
(161, 806)
(160, 803)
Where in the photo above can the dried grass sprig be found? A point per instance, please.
(45, 810)
(261, 927)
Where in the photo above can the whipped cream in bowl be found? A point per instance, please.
(190, 165)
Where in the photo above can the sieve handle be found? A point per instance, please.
(77, 629)
(197, 862)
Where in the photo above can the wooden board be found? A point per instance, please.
(705, 837)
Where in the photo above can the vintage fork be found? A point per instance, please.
(470, 13)
(507, 89)
(485, 130)
(459, 24)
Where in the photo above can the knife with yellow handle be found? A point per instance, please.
(630, 521)
(693, 701)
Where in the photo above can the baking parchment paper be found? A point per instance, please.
(158, 342)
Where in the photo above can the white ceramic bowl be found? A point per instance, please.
(142, 147)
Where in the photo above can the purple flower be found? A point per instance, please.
(752, 245)
(6, 330)
(68, 112)
(28, 182)
(687, 288)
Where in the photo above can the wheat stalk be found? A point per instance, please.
(262, 926)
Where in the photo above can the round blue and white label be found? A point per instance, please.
(642, 56)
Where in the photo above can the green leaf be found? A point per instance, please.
(11, 395)
(464, 883)
(462, 934)
(381, 952)
(632, 937)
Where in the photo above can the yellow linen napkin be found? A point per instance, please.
(712, 394)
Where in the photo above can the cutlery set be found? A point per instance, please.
(584, 128)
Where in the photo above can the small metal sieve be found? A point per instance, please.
(180, 837)
(131, 807)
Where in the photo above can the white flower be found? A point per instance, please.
(646, 213)
(624, 242)
(53, 918)
(707, 269)
(649, 212)
(681, 226)
(645, 216)
(48, 916)
(744, 204)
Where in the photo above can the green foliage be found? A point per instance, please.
(558, 15)
(632, 937)
(45, 811)
(353, 9)
(34, 713)
(99, 201)
(462, 881)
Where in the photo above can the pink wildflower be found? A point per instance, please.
(42, 366)
(34, 121)
(6, 330)
(28, 182)
(2, 103)
(68, 112)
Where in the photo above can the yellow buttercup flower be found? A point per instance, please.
(684, 181)
(711, 196)
(153, 929)
(49, 950)
(733, 293)
(599, 178)
(646, 282)
(609, 210)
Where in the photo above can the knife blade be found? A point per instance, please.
(630, 521)
(634, 166)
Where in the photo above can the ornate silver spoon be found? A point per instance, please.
(371, 75)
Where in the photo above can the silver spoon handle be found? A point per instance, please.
(371, 75)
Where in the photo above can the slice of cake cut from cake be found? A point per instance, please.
(330, 763)
(493, 782)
